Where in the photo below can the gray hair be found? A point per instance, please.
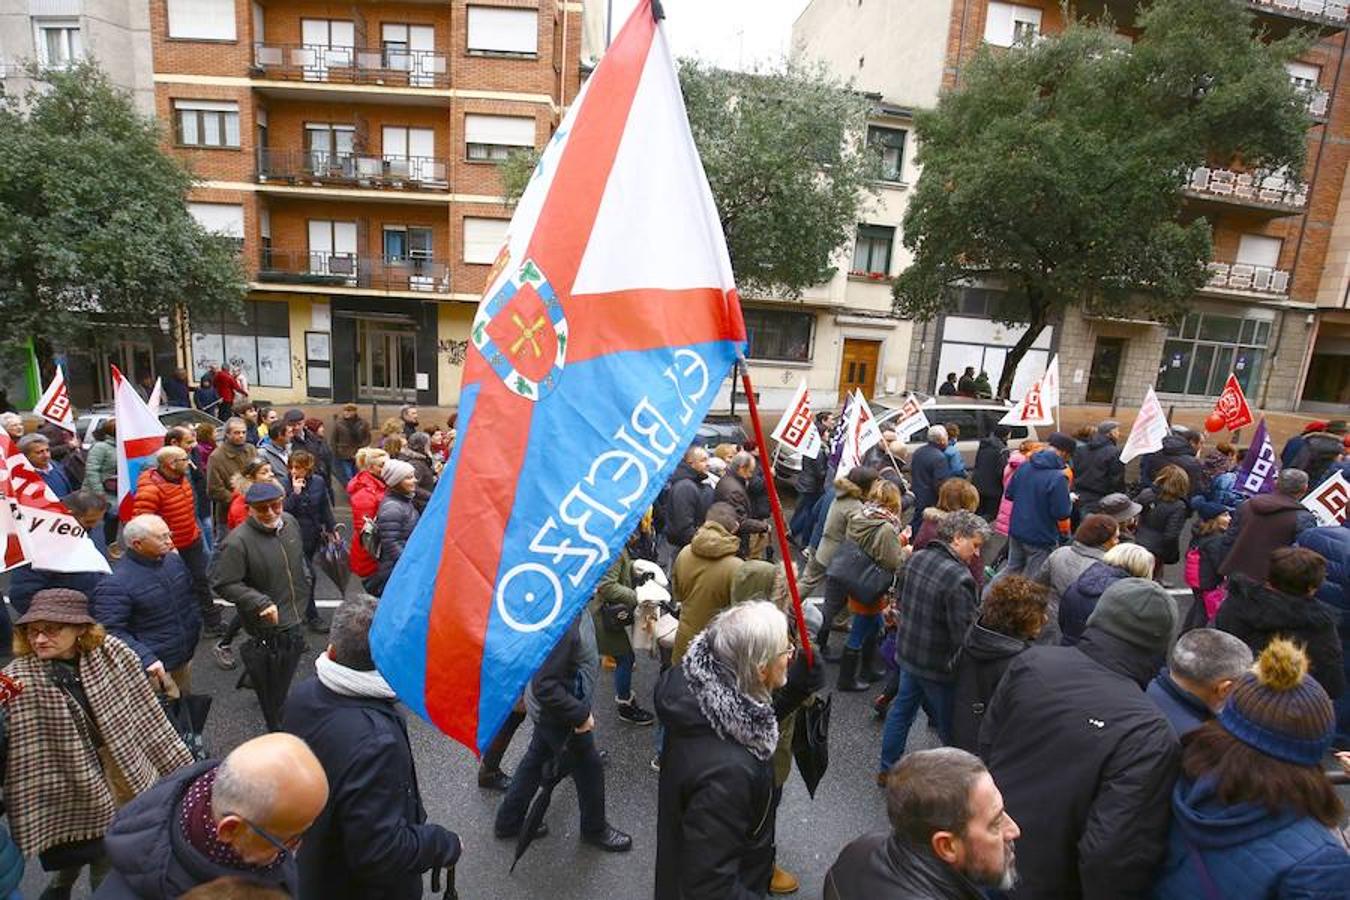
(937, 434)
(168, 452)
(929, 791)
(419, 441)
(741, 460)
(236, 420)
(350, 633)
(1208, 656)
(1290, 482)
(1133, 558)
(745, 638)
(694, 452)
(31, 440)
(233, 792)
(9, 418)
(141, 527)
(961, 523)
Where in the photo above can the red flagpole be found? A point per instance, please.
(779, 528)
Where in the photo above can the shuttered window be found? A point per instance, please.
(494, 137)
(496, 30)
(483, 238)
(211, 20)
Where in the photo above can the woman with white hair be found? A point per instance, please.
(715, 818)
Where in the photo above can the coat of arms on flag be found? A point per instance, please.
(1230, 410)
(607, 324)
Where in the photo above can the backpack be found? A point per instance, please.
(370, 538)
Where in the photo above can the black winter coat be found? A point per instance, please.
(372, 840)
(1256, 614)
(1176, 451)
(395, 521)
(811, 478)
(990, 460)
(1097, 470)
(312, 510)
(687, 502)
(1318, 456)
(555, 686)
(715, 818)
(878, 866)
(1160, 526)
(984, 657)
(1086, 764)
(150, 857)
(928, 468)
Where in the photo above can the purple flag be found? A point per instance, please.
(1259, 467)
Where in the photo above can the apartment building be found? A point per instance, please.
(1275, 308)
(352, 150)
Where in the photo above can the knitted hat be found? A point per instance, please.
(1139, 612)
(1277, 709)
(61, 605)
(1062, 442)
(1107, 426)
(395, 470)
(263, 492)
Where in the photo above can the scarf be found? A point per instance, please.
(199, 827)
(351, 682)
(55, 787)
(877, 511)
(733, 715)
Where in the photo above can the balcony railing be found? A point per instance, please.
(1248, 187)
(1319, 102)
(353, 169)
(313, 267)
(1335, 10)
(1244, 277)
(352, 65)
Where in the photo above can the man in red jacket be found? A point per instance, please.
(228, 387)
(166, 491)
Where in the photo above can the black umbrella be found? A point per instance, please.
(187, 714)
(333, 559)
(811, 741)
(270, 659)
(555, 770)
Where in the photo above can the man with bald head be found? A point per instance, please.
(245, 816)
(166, 491)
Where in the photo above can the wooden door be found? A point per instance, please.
(858, 367)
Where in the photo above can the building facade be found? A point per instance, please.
(1275, 309)
(352, 150)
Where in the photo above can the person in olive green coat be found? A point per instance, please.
(616, 588)
(702, 574)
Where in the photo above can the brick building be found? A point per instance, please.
(352, 150)
(1275, 309)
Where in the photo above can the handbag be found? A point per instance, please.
(864, 580)
(615, 615)
(370, 538)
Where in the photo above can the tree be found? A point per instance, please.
(783, 151)
(94, 224)
(1055, 171)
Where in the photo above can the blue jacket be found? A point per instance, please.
(1332, 543)
(11, 864)
(1185, 712)
(928, 468)
(58, 479)
(26, 581)
(955, 464)
(150, 606)
(1039, 491)
(372, 841)
(1249, 853)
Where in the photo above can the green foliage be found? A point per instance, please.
(94, 224)
(1056, 169)
(515, 172)
(783, 152)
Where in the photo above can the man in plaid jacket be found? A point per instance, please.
(938, 601)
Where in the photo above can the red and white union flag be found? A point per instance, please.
(797, 428)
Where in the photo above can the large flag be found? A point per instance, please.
(36, 527)
(54, 404)
(140, 435)
(797, 429)
(1330, 500)
(1148, 430)
(1259, 467)
(609, 320)
(860, 433)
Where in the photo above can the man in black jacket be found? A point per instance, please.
(810, 483)
(1180, 448)
(734, 488)
(559, 701)
(950, 835)
(928, 468)
(1085, 760)
(687, 499)
(1097, 469)
(990, 460)
(372, 839)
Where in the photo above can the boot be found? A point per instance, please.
(783, 882)
(823, 645)
(871, 670)
(848, 672)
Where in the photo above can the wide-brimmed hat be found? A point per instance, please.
(62, 605)
(1119, 507)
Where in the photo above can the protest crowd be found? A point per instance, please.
(1019, 601)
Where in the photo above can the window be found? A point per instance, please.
(206, 123)
(406, 242)
(220, 218)
(1008, 24)
(208, 20)
(410, 48)
(779, 334)
(1259, 250)
(329, 148)
(410, 153)
(261, 343)
(1199, 353)
(496, 30)
(890, 142)
(494, 137)
(1305, 76)
(872, 252)
(483, 238)
(57, 42)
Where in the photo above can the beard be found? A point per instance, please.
(1003, 879)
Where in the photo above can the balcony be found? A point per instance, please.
(1245, 279)
(1269, 191)
(1329, 15)
(320, 169)
(347, 270)
(1319, 103)
(373, 66)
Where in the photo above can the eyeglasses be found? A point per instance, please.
(290, 845)
(46, 629)
(790, 652)
(270, 506)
